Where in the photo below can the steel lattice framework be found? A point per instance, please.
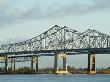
(60, 38)
(96, 39)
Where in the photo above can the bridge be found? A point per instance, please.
(58, 42)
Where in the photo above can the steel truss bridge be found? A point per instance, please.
(58, 41)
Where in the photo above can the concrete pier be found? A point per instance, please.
(6, 63)
(32, 63)
(13, 64)
(56, 69)
(91, 64)
(37, 67)
(34, 60)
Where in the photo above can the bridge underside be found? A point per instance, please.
(34, 60)
(57, 53)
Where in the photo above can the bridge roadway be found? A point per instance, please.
(68, 51)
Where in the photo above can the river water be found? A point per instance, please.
(55, 78)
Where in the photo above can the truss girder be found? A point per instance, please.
(58, 38)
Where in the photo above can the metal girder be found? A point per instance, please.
(60, 38)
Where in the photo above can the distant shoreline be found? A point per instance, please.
(71, 70)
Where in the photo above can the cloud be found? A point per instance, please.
(11, 41)
(100, 4)
(13, 10)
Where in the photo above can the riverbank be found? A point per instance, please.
(27, 70)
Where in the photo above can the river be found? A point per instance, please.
(55, 78)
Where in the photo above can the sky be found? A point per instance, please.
(24, 19)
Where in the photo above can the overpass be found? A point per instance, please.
(58, 42)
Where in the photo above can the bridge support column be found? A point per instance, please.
(64, 64)
(13, 64)
(56, 70)
(6, 63)
(34, 60)
(91, 64)
(32, 63)
(56, 63)
(37, 64)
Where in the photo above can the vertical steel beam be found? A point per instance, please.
(72, 41)
(64, 38)
(107, 42)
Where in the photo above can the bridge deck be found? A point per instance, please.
(68, 51)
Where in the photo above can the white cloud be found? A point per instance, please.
(12, 10)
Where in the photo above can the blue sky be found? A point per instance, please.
(24, 19)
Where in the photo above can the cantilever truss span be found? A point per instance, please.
(58, 39)
(58, 42)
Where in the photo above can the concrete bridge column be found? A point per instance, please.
(6, 63)
(64, 70)
(32, 63)
(91, 64)
(56, 63)
(37, 64)
(34, 60)
(13, 64)
(64, 64)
